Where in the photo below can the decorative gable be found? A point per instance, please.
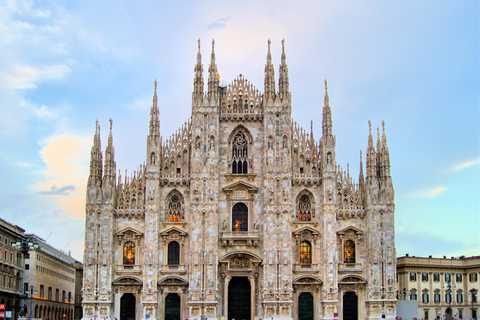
(129, 234)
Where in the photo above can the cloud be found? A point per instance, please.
(218, 24)
(66, 158)
(25, 77)
(430, 193)
(63, 191)
(466, 164)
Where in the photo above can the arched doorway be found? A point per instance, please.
(239, 299)
(448, 314)
(305, 306)
(127, 307)
(350, 306)
(172, 307)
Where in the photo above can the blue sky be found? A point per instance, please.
(414, 64)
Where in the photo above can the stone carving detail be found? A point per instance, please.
(239, 263)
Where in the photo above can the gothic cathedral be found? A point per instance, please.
(240, 214)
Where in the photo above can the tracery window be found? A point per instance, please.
(305, 252)
(173, 253)
(174, 209)
(304, 209)
(240, 154)
(349, 252)
(240, 217)
(129, 253)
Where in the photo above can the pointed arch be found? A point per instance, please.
(175, 207)
(305, 206)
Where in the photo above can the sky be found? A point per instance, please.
(413, 64)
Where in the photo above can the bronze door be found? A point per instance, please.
(350, 306)
(305, 306)
(127, 307)
(172, 307)
(239, 299)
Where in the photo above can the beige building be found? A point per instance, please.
(50, 279)
(11, 268)
(240, 214)
(442, 287)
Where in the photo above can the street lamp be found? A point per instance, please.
(32, 291)
(473, 296)
(448, 290)
(24, 247)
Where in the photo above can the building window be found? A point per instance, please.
(305, 252)
(240, 217)
(49, 293)
(436, 297)
(240, 155)
(425, 297)
(27, 267)
(413, 295)
(459, 297)
(458, 277)
(173, 253)
(304, 208)
(425, 314)
(63, 296)
(413, 276)
(349, 252)
(460, 314)
(436, 277)
(42, 291)
(448, 278)
(473, 277)
(57, 295)
(175, 211)
(448, 297)
(424, 277)
(129, 253)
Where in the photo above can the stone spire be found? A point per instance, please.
(361, 179)
(198, 80)
(327, 124)
(371, 159)
(379, 154)
(153, 138)
(110, 167)
(110, 170)
(283, 82)
(96, 159)
(385, 153)
(212, 77)
(269, 76)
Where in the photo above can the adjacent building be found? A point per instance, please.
(443, 287)
(50, 282)
(240, 214)
(11, 268)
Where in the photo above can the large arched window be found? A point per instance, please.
(173, 253)
(175, 210)
(129, 253)
(349, 252)
(304, 208)
(305, 252)
(240, 217)
(239, 154)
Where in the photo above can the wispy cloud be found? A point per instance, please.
(54, 191)
(466, 164)
(432, 193)
(218, 24)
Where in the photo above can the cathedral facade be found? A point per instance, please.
(240, 214)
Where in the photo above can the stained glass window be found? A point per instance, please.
(349, 252)
(129, 253)
(240, 217)
(239, 155)
(174, 209)
(304, 209)
(173, 253)
(305, 252)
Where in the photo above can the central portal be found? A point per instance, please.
(239, 299)
(305, 306)
(350, 306)
(127, 307)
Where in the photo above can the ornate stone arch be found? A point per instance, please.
(345, 238)
(240, 145)
(174, 207)
(305, 206)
